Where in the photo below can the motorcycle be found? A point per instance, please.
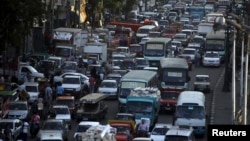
(34, 128)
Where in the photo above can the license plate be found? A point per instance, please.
(84, 118)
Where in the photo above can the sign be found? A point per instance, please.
(133, 84)
(154, 46)
(62, 35)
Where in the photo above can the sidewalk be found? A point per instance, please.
(221, 110)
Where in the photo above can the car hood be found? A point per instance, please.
(108, 89)
(201, 83)
(157, 137)
(63, 116)
(70, 86)
(17, 112)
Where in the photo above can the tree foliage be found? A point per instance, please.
(17, 18)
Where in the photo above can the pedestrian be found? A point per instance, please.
(59, 89)
(47, 97)
(34, 107)
(197, 59)
(25, 130)
(24, 96)
(92, 82)
(7, 133)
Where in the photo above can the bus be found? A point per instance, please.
(191, 111)
(134, 79)
(157, 48)
(196, 11)
(174, 78)
(215, 41)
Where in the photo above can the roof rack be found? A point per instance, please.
(93, 98)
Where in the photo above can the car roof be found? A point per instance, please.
(108, 80)
(9, 120)
(60, 106)
(65, 97)
(93, 123)
(211, 52)
(187, 48)
(31, 83)
(114, 75)
(71, 76)
(162, 125)
(202, 75)
(176, 130)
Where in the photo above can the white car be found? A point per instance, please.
(109, 87)
(211, 59)
(14, 124)
(63, 113)
(84, 78)
(202, 83)
(32, 89)
(189, 52)
(18, 110)
(159, 131)
(83, 126)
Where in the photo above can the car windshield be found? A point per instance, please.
(5, 124)
(107, 85)
(52, 126)
(61, 110)
(71, 81)
(82, 128)
(31, 89)
(159, 131)
(189, 52)
(212, 55)
(18, 106)
(122, 130)
(176, 138)
(67, 102)
(201, 79)
(70, 66)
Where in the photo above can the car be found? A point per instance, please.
(159, 131)
(62, 112)
(70, 101)
(83, 126)
(73, 85)
(114, 76)
(109, 87)
(54, 125)
(125, 129)
(202, 83)
(32, 89)
(18, 110)
(141, 63)
(190, 52)
(211, 58)
(189, 61)
(84, 78)
(14, 124)
(92, 107)
(182, 37)
(69, 66)
(125, 116)
(180, 133)
(128, 64)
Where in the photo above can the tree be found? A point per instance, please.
(17, 19)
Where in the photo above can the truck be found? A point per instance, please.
(122, 37)
(24, 68)
(67, 41)
(98, 133)
(95, 50)
(144, 103)
(132, 25)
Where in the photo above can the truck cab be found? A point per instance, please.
(24, 68)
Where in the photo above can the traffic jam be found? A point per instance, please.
(143, 64)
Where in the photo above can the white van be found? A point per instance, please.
(191, 111)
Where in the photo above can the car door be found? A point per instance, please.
(17, 128)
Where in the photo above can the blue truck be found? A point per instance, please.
(144, 103)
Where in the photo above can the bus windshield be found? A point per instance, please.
(127, 86)
(154, 49)
(139, 107)
(215, 47)
(190, 111)
(174, 75)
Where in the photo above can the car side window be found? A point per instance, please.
(17, 124)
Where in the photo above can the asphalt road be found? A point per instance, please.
(214, 74)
